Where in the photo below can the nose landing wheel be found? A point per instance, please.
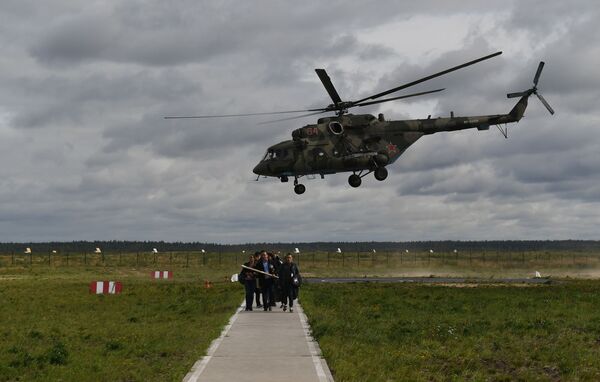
(299, 189)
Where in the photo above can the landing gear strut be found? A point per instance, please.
(381, 173)
(298, 188)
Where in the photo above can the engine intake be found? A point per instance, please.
(336, 128)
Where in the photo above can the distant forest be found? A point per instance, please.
(437, 246)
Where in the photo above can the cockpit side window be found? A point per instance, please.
(276, 154)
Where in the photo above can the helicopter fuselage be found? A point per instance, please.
(356, 143)
(364, 144)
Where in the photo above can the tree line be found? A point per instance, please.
(117, 246)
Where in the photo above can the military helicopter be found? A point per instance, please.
(362, 143)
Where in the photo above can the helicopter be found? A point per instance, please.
(362, 143)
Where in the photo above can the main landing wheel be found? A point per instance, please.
(299, 189)
(381, 173)
(354, 180)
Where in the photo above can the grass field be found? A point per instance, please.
(53, 329)
(399, 332)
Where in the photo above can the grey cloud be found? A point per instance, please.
(145, 34)
(103, 164)
(76, 39)
(85, 99)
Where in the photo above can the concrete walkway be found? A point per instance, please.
(263, 346)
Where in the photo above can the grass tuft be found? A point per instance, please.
(58, 354)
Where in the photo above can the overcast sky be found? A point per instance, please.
(85, 153)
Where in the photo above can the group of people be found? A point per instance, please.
(266, 275)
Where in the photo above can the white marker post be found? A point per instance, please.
(28, 251)
(203, 256)
(97, 250)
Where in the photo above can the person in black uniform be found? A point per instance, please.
(290, 279)
(249, 282)
(265, 281)
(276, 285)
(257, 281)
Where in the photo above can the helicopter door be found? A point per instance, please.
(319, 158)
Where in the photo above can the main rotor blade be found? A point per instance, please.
(240, 115)
(401, 97)
(428, 78)
(545, 103)
(290, 118)
(537, 73)
(335, 97)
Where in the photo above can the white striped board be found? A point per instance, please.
(106, 287)
(161, 275)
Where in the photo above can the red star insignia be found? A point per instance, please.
(392, 148)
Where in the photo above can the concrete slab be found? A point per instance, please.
(263, 346)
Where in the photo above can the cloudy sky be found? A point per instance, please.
(85, 152)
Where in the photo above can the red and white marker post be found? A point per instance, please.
(161, 275)
(106, 287)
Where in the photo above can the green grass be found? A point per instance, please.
(53, 329)
(399, 332)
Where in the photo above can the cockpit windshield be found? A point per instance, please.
(265, 156)
(276, 154)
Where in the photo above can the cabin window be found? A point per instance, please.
(318, 152)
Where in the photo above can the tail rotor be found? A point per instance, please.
(538, 73)
(534, 90)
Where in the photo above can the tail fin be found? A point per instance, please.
(519, 109)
